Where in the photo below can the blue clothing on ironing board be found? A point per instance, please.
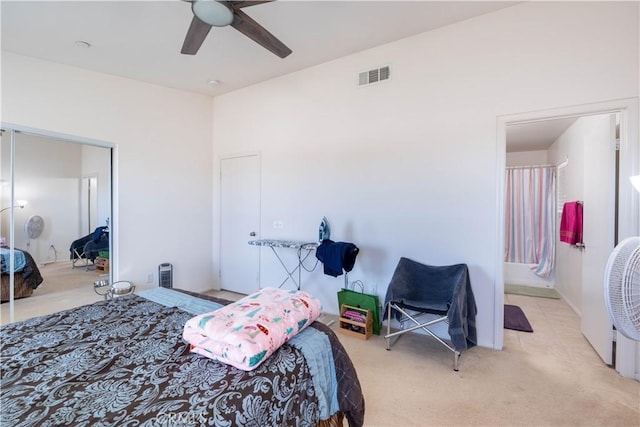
(337, 256)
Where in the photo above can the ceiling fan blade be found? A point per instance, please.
(250, 28)
(241, 4)
(196, 34)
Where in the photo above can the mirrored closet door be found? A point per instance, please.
(55, 222)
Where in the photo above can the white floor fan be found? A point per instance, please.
(622, 287)
(33, 227)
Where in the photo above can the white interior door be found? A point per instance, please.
(239, 223)
(599, 223)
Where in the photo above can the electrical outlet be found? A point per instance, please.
(279, 224)
(150, 277)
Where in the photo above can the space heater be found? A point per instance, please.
(165, 275)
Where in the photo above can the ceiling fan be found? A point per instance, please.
(208, 13)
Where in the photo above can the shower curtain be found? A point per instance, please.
(531, 217)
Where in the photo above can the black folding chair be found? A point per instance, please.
(417, 290)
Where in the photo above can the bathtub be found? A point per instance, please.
(522, 274)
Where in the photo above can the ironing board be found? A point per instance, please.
(307, 247)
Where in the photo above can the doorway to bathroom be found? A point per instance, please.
(576, 158)
(596, 146)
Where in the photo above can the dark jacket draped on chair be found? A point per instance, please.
(439, 290)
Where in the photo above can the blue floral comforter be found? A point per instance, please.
(123, 362)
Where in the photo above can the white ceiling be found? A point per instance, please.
(536, 135)
(141, 40)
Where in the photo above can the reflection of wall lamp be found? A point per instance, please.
(19, 204)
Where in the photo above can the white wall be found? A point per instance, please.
(51, 189)
(526, 158)
(96, 162)
(572, 145)
(571, 182)
(164, 175)
(409, 167)
(48, 173)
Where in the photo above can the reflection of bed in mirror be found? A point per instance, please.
(27, 276)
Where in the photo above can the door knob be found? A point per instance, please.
(252, 234)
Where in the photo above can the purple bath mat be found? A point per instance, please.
(515, 319)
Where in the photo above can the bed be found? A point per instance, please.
(123, 362)
(27, 276)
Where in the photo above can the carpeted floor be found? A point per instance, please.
(63, 287)
(549, 378)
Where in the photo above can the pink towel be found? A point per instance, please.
(571, 223)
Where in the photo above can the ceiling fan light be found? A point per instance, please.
(212, 12)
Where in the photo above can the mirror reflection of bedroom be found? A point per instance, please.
(61, 213)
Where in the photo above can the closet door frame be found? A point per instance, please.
(13, 129)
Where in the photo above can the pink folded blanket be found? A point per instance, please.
(243, 334)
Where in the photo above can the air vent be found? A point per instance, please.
(373, 76)
(377, 75)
